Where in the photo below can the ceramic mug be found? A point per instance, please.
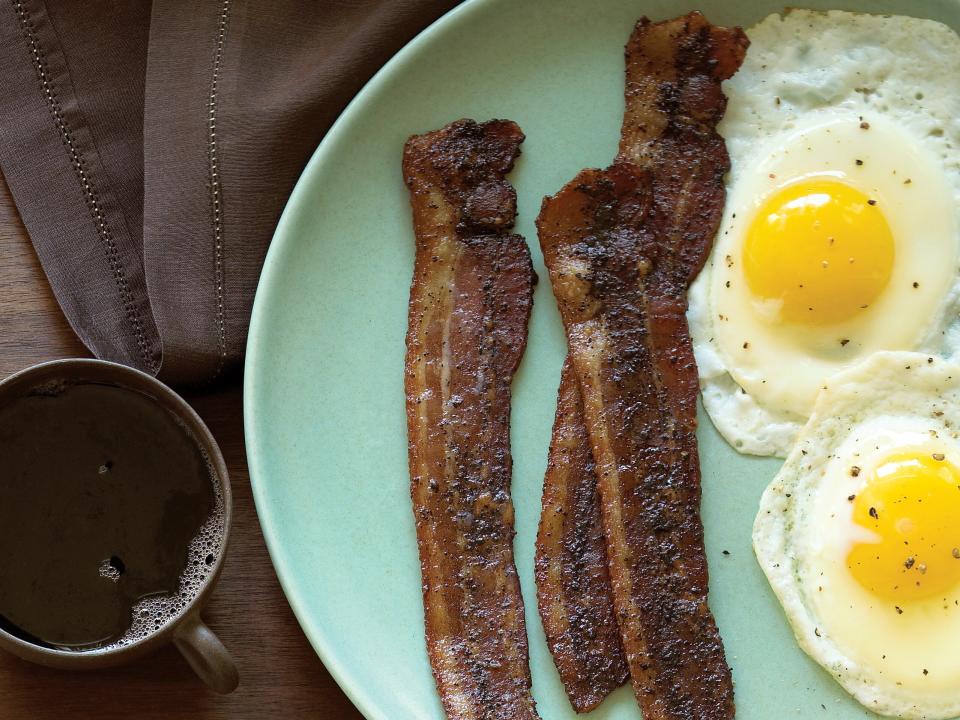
(186, 630)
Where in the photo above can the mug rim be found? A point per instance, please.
(129, 378)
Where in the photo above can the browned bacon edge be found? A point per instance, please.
(573, 586)
(469, 308)
(622, 246)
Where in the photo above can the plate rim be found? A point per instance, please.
(319, 640)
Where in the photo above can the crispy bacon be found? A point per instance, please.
(622, 246)
(573, 585)
(469, 308)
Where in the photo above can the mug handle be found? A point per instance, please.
(205, 653)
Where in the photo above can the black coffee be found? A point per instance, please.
(101, 494)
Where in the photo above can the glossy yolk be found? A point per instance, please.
(911, 505)
(818, 251)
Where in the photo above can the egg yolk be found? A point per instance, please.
(911, 505)
(820, 250)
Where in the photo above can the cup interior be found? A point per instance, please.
(53, 378)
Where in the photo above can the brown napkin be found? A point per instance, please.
(150, 151)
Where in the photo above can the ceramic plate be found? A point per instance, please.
(324, 404)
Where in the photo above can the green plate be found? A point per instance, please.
(324, 404)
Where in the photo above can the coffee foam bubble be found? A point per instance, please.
(152, 614)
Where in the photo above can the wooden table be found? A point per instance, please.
(280, 676)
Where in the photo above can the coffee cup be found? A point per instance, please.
(156, 620)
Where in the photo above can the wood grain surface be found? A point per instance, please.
(280, 676)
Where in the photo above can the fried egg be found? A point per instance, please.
(840, 233)
(859, 534)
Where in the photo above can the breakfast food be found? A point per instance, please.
(574, 596)
(858, 534)
(840, 236)
(622, 246)
(469, 308)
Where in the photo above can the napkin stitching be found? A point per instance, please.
(90, 195)
(214, 173)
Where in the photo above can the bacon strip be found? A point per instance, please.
(469, 308)
(622, 246)
(573, 585)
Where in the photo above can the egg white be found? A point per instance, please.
(804, 529)
(795, 109)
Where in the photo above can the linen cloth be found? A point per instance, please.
(150, 148)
